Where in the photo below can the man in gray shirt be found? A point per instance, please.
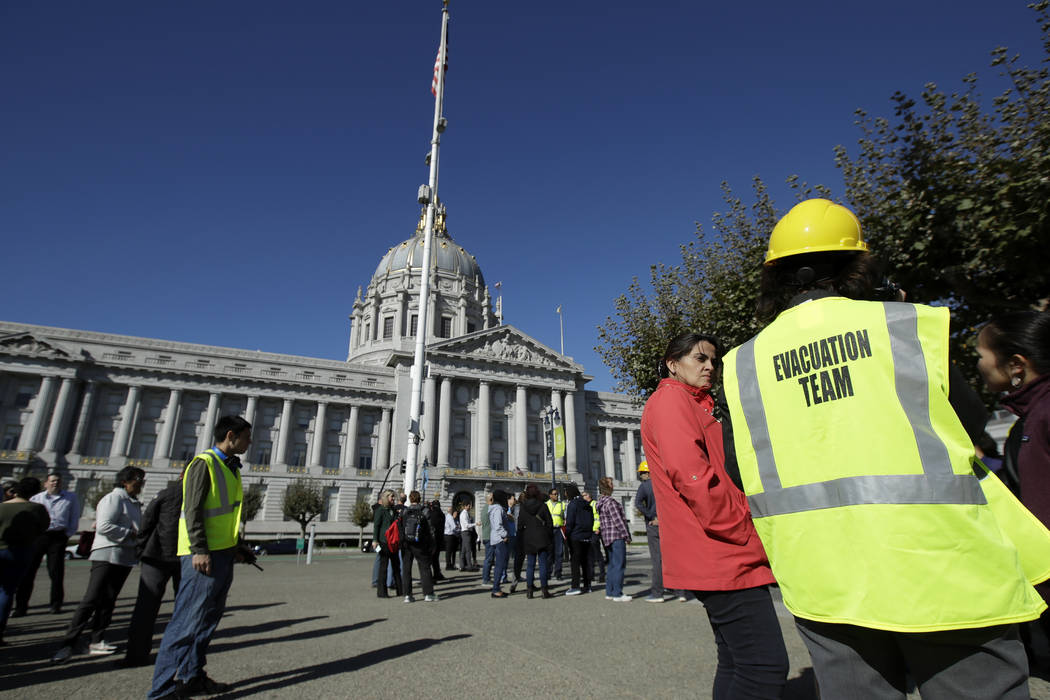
(64, 509)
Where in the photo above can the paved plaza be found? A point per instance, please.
(320, 632)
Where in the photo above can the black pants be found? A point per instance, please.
(154, 575)
(52, 544)
(451, 545)
(421, 555)
(391, 559)
(578, 563)
(97, 606)
(752, 659)
(596, 554)
(519, 556)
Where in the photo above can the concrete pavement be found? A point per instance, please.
(320, 632)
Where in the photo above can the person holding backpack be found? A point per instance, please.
(417, 543)
(384, 517)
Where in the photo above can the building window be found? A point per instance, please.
(388, 327)
(330, 511)
(497, 460)
(104, 443)
(595, 440)
(471, 327)
(144, 450)
(262, 451)
(364, 458)
(24, 396)
(368, 333)
(534, 432)
(9, 441)
(534, 462)
(187, 449)
(299, 454)
(459, 459)
(411, 330)
(331, 458)
(497, 429)
(445, 327)
(459, 426)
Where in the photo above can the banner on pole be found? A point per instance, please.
(559, 442)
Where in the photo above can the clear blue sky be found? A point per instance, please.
(230, 172)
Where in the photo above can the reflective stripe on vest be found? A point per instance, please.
(937, 484)
(224, 494)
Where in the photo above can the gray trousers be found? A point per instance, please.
(987, 663)
(652, 534)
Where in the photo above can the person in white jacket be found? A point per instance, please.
(118, 517)
(466, 533)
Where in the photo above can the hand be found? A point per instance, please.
(202, 563)
(655, 521)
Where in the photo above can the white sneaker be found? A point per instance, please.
(682, 599)
(431, 598)
(654, 599)
(409, 599)
(573, 591)
(609, 597)
(623, 599)
(101, 649)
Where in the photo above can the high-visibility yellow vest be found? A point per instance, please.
(594, 510)
(859, 474)
(557, 509)
(222, 506)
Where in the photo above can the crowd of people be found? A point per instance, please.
(841, 462)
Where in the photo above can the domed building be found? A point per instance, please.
(90, 403)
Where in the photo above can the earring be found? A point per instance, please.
(1015, 381)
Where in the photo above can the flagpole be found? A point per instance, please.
(430, 198)
(561, 329)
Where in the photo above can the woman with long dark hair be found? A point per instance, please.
(536, 532)
(707, 540)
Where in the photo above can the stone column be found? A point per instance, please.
(58, 419)
(484, 429)
(444, 422)
(320, 431)
(120, 442)
(610, 465)
(430, 410)
(249, 410)
(207, 437)
(630, 469)
(84, 418)
(383, 460)
(349, 460)
(162, 450)
(31, 435)
(571, 463)
(557, 403)
(284, 434)
(399, 317)
(521, 428)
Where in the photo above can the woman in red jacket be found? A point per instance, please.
(707, 540)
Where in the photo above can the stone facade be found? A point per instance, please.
(90, 403)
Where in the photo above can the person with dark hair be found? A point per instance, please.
(383, 517)
(157, 547)
(118, 518)
(535, 530)
(579, 525)
(707, 539)
(498, 538)
(557, 509)
(615, 535)
(9, 486)
(208, 547)
(860, 478)
(437, 527)
(1014, 352)
(21, 523)
(63, 508)
(417, 543)
(467, 562)
(451, 538)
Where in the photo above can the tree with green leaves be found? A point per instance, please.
(955, 199)
(303, 501)
(711, 290)
(361, 515)
(252, 502)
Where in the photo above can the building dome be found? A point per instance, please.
(446, 255)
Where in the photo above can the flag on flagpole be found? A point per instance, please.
(437, 65)
(558, 310)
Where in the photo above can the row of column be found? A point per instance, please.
(630, 466)
(30, 437)
(520, 457)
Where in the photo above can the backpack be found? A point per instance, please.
(412, 526)
(393, 536)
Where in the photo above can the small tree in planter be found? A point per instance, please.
(303, 502)
(361, 515)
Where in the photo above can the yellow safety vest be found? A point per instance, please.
(557, 509)
(597, 520)
(859, 474)
(222, 506)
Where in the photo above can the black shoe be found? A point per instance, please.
(56, 610)
(547, 594)
(19, 612)
(501, 594)
(131, 662)
(203, 685)
(513, 586)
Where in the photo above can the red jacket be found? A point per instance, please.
(707, 539)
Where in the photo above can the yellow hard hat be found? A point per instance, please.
(643, 468)
(814, 226)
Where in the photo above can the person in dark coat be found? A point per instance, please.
(535, 529)
(437, 527)
(158, 563)
(579, 526)
(384, 517)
